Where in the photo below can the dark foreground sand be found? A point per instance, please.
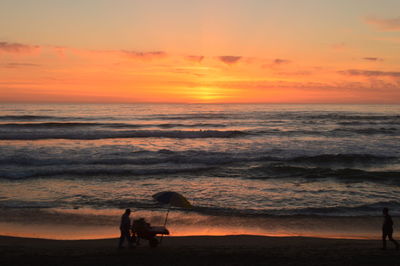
(201, 250)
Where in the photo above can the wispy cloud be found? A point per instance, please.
(144, 55)
(17, 48)
(18, 65)
(276, 63)
(294, 73)
(187, 71)
(61, 51)
(279, 61)
(315, 86)
(229, 59)
(280, 84)
(373, 59)
(392, 24)
(370, 73)
(195, 58)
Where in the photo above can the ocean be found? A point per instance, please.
(67, 171)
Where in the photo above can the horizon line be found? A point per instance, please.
(220, 103)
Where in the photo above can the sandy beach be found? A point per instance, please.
(198, 250)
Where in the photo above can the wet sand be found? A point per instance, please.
(198, 250)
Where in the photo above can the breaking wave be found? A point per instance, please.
(54, 125)
(96, 172)
(371, 209)
(99, 134)
(287, 171)
(342, 158)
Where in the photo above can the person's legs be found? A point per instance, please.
(384, 240)
(121, 238)
(394, 241)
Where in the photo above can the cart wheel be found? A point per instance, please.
(153, 242)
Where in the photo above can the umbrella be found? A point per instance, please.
(172, 199)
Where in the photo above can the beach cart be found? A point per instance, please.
(143, 230)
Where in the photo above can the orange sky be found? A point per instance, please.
(200, 51)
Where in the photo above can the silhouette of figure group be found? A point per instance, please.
(387, 229)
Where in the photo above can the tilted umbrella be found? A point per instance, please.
(172, 199)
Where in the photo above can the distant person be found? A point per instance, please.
(125, 227)
(387, 229)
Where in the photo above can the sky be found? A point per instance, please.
(200, 51)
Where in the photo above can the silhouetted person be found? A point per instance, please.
(125, 228)
(387, 229)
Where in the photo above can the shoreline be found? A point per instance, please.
(87, 224)
(94, 238)
(198, 250)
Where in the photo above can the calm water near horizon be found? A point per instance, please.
(266, 169)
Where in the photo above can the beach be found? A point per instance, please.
(199, 250)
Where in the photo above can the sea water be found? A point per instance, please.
(246, 168)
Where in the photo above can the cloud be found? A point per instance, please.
(18, 65)
(392, 24)
(17, 48)
(375, 85)
(277, 84)
(194, 58)
(275, 63)
(370, 73)
(94, 53)
(188, 71)
(229, 59)
(373, 59)
(61, 51)
(295, 73)
(281, 61)
(144, 55)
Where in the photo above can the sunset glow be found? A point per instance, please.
(200, 51)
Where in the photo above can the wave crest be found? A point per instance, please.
(92, 135)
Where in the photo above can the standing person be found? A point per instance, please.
(387, 229)
(125, 227)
